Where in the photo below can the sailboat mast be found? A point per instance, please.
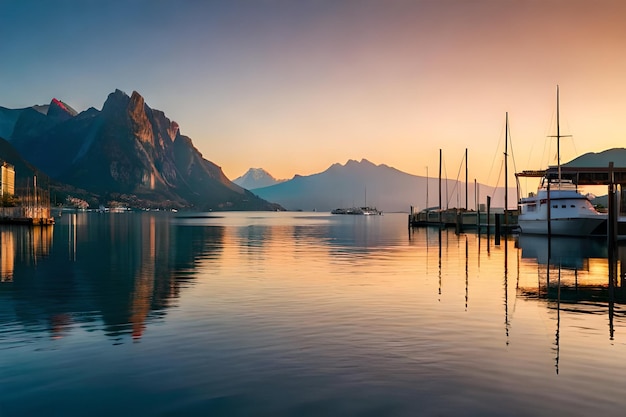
(466, 171)
(558, 137)
(427, 178)
(35, 204)
(440, 180)
(506, 169)
(440, 208)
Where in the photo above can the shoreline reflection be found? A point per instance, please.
(119, 273)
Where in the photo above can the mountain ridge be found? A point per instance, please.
(126, 152)
(599, 159)
(363, 183)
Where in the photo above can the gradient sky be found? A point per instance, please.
(295, 86)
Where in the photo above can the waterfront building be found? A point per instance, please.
(7, 179)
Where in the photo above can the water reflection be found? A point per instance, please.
(340, 234)
(117, 273)
(576, 275)
(231, 313)
(23, 243)
(568, 269)
(568, 252)
(120, 272)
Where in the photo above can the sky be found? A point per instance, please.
(296, 86)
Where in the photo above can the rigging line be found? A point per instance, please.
(445, 172)
(512, 153)
(495, 155)
(544, 158)
(453, 189)
(495, 189)
(456, 184)
(569, 129)
(511, 149)
(460, 167)
(548, 133)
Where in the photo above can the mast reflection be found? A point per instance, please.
(586, 276)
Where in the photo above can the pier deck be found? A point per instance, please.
(463, 220)
(26, 216)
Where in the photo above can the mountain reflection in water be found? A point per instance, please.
(123, 270)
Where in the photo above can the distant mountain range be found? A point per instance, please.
(388, 189)
(256, 178)
(130, 154)
(366, 184)
(127, 153)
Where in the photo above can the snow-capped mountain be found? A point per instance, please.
(256, 178)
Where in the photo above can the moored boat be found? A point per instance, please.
(558, 207)
(364, 211)
(571, 213)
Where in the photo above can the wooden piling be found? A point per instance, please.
(497, 232)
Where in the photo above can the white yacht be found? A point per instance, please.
(570, 212)
(559, 208)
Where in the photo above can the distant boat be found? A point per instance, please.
(362, 211)
(367, 211)
(558, 208)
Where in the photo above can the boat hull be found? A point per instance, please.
(564, 227)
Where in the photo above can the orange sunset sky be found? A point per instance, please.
(295, 86)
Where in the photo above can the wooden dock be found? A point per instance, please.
(26, 216)
(466, 220)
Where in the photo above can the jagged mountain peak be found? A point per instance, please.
(258, 173)
(256, 178)
(58, 104)
(127, 152)
(363, 161)
(354, 166)
(55, 109)
(137, 111)
(137, 100)
(150, 126)
(59, 111)
(116, 102)
(353, 163)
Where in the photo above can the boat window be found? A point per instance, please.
(563, 206)
(555, 206)
(573, 205)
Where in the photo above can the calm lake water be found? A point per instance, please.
(303, 314)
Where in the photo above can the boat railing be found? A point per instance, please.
(556, 184)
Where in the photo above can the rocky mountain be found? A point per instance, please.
(127, 153)
(366, 184)
(256, 178)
